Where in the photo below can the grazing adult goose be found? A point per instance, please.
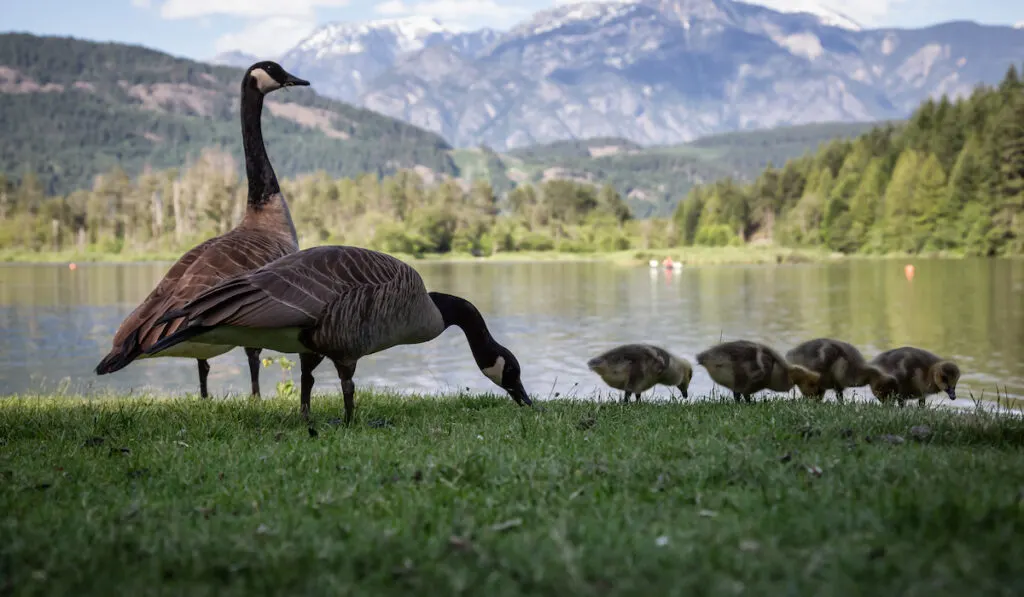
(919, 373)
(342, 303)
(264, 234)
(636, 368)
(841, 366)
(747, 367)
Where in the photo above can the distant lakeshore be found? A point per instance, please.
(687, 256)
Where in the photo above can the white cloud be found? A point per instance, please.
(268, 37)
(141, 3)
(187, 9)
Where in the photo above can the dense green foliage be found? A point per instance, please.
(73, 109)
(475, 496)
(951, 179)
(173, 210)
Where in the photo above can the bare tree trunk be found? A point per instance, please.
(179, 220)
(157, 205)
(55, 233)
(81, 239)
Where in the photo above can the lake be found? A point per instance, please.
(58, 323)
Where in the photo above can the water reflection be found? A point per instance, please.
(58, 323)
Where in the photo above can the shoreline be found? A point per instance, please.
(688, 256)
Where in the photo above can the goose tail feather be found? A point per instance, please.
(176, 338)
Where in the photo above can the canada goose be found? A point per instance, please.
(747, 367)
(841, 366)
(919, 373)
(342, 303)
(636, 368)
(264, 234)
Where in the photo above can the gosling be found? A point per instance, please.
(919, 373)
(636, 368)
(841, 366)
(747, 367)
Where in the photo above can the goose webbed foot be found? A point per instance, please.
(307, 362)
(253, 354)
(204, 373)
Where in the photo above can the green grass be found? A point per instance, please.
(473, 495)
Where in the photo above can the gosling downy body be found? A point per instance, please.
(747, 367)
(265, 233)
(841, 366)
(919, 373)
(636, 368)
(342, 303)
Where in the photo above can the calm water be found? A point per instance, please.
(58, 323)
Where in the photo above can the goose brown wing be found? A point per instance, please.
(294, 290)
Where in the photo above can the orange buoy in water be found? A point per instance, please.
(72, 266)
(908, 271)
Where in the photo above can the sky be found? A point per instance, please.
(200, 29)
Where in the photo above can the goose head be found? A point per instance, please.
(267, 76)
(946, 375)
(504, 371)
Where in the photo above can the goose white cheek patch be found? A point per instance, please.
(494, 372)
(264, 82)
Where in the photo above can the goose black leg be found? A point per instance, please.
(204, 371)
(348, 387)
(625, 397)
(307, 362)
(839, 396)
(736, 396)
(254, 369)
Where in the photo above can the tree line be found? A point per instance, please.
(172, 210)
(949, 179)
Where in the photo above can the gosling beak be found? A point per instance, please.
(683, 390)
(293, 81)
(518, 393)
(951, 392)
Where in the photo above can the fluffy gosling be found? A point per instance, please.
(636, 368)
(747, 367)
(918, 373)
(841, 366)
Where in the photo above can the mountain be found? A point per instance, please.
(651, 71)
(71, 109)
(344, 58)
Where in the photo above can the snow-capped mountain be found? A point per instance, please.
(234, 58)
(652, 71)
(345, 57)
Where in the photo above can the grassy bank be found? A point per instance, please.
(688, 255)
(477, 496)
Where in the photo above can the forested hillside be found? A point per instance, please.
(72, 109)
(950, 179)
(653, 179)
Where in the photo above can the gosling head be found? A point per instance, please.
(505, 372)
(808, 381)
(946, 374)
(269, 76)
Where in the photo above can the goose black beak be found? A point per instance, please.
(683, 390)
(951, 392)
(293, 81)
(518, 393)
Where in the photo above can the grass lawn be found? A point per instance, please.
(475, 496)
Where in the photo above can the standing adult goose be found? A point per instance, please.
(264, 234)
(342, 303)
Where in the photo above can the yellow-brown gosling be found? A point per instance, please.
(636, 368)
(841, 366)
(919, 373)
(747, 367)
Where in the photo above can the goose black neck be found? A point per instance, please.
(460, 312)
(262, 180)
